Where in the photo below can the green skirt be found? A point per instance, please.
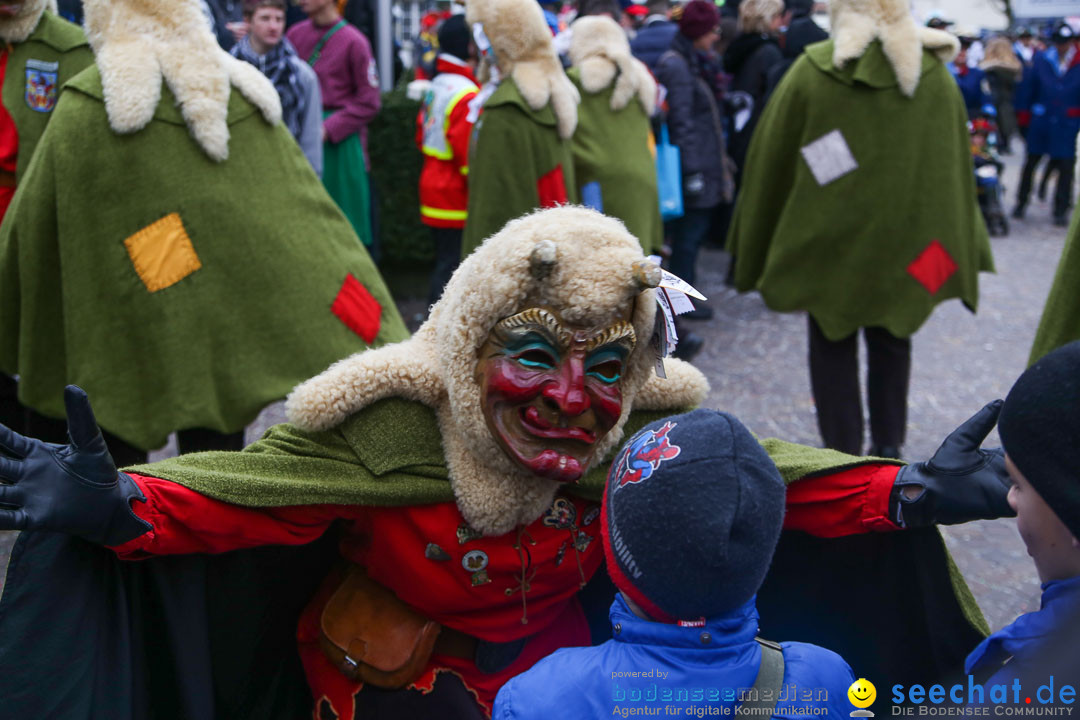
(346, 179)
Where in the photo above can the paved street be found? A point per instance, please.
(756, 362)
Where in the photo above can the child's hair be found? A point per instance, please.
(250, 6)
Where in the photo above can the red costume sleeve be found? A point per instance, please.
(9, 146)
(850, 502)
(186, 522)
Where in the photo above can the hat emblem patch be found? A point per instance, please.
(644, 455)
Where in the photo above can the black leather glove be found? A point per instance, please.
(72, 488)
(960, 483)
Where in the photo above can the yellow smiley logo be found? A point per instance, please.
(862, 693)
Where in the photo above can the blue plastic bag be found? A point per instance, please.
(668, 177)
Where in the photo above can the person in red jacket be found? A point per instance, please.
(443, 129)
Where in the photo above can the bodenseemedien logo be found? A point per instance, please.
(862, 694)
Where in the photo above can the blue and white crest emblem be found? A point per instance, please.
(42, 85)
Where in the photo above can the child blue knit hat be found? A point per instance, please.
(691, 516)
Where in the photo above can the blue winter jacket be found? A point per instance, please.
(1052, 100)
(652, 666)
(652, 41)
(1023, 644)
(971, 87)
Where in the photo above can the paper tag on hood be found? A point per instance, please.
(674, 282)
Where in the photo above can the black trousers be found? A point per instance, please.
(447, 257)
(1063, 190)
(834, 381)
(123, 453)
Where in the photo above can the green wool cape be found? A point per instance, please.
(54, 42)
(514, 148)
(1060, 323)
(612, 148)
(260, 312)
(390, 453)
(882, 244)
(892, 603)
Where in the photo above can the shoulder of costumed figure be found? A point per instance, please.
(138, 44)
(857, 23)
(585, 265)
(524, 51)
(601, 53)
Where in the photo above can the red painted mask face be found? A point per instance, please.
(552, 391)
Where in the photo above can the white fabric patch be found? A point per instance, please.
(829, 157)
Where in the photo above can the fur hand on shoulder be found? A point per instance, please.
(139, 44)
(601, 52)
(542, 81)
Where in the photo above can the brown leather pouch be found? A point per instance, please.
(372, 636)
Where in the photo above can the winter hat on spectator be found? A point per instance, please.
(1039, 426)
(1063, 33)
(691, 516)
(455, 36)
(698, 18)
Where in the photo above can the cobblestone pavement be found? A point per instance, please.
(756, 362)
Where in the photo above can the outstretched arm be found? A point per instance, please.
(960, 483)
(76, 489)
(73, 488)
(183, 521)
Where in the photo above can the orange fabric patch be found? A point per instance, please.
(162, 253)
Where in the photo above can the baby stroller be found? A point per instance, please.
(988, 168)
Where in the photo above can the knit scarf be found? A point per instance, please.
(277, 65)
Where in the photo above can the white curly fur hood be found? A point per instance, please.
(18, 28)
(139, 43)
(601, 53)
(856, 23)
(524, 51)
(591, 280)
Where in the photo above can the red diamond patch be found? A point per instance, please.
(355, 307)
(933, 267)
(551, 188)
